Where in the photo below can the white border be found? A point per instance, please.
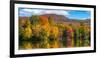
(57, 49)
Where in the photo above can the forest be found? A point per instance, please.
(43, 31)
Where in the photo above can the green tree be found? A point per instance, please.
(34, 20)
(64, 36)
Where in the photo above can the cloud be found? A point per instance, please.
(58, 12)
(24, 13)
(43, 11)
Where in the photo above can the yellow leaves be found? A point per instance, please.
(54, 44)
(27, 33)
(68, 27)
(25, 28)
(87, 28)
(53, 41)
(46, 28)
(54, 31)
(22, 21)
(35, 30)
(27, 45)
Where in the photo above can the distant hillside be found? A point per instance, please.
(57, 18)
(62, 19)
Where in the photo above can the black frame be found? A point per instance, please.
(52, 4)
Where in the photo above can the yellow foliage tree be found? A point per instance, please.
(53, 38)
(27, 31)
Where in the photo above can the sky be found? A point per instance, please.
(71, 14)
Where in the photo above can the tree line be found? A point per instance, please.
(43, 32)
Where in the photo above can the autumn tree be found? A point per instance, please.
(64, 36)
(81, 34)
(76, 36)
(70, 38)
(87, 36)
(35, 20)
(25, 32)
(53, 38)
